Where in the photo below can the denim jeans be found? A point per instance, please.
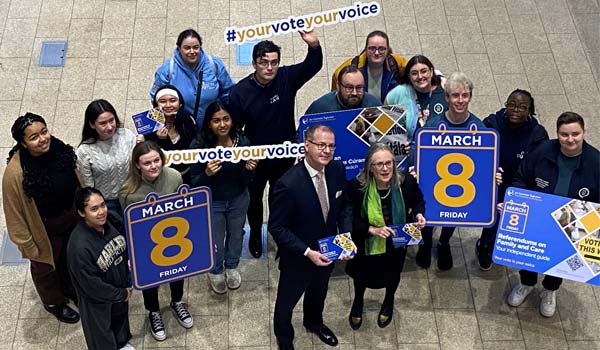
(228, 230)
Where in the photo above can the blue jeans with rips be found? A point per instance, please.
(228, 231)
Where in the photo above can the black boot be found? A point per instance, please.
(484, 256)
(255, 244)
(424, 256)
(444, 257)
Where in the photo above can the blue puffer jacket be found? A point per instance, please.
(216, 81)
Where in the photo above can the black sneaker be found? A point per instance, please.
(182, 315)
(157, 327)
(483, 256)
(444, 257)
(423, 257)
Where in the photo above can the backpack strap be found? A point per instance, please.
(354, 61)
(212, 65)
(393, 67)
(170, 74)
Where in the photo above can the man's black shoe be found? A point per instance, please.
(255, 245)
(63, 313)
(325, 334)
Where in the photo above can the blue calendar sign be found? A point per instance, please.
(549, 234)
(456, 172)
(357, 129)
(169, 238)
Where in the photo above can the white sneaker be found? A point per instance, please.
(548, 303)
(157, 327)
(127, 347)
(233, 278)
(518, 294)
(182, 314)
(217, 283)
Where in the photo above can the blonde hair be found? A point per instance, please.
(458, 80)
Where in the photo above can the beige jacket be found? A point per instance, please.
(23, 221)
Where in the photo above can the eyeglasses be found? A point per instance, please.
(379, 165)
(373, 49)
(350, 88)
(415, 73)
(265, 64)
(322, 146)
(514, 107)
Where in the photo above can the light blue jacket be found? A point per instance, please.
(216, 81)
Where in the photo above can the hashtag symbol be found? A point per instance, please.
(231, 35)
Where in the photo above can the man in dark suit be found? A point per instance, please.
(308, 203)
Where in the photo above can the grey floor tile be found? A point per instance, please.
(40, 96)
(494, 21)
(540, 332)
(549, 108)
(39, 333)
(542, 74)
(579, 323)
(583, 6)
(584, 345)
(503, 53)
(557, 23)
(466, 34)
(501, 326)
(415, 325)
(477, 68)
(429, 346)
(84, 37)
(249, 315)
(517, 7)
(568, 54)
(507, 83)
(503, 345)
(13, 275)
(588, 28)
(70, 336)
(209, 332)
(371, 336)
(458, 329)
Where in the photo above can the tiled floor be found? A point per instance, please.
(551, 47)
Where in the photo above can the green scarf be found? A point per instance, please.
(371, 210)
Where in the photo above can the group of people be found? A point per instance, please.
(64, 206)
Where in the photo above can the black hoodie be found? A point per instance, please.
(515, 143)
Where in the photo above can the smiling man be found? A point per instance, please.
(350, 93)
(264, 104)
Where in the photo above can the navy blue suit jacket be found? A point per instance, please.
(296, 220)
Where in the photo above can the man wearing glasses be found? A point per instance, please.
(264, 104)
(350, 94)
(308, 203)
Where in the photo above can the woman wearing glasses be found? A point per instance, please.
(189, 62)
(381, 196)
(380, 67)
(520, 133)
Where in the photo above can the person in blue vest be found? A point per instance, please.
(520, 133)
(189, 60)
(569, 167)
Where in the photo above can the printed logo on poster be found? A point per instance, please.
(456, 170)
(357, 129)
(169, 238)
(561, 237)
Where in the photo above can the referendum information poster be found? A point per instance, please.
(456, 171)
(549, 234)
(169, 237)
(357, 129)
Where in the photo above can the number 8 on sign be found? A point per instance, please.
(157, 255)
(462, 179)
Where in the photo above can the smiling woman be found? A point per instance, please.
(38, 189)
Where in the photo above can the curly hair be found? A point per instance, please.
(36, 180)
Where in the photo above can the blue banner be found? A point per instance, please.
(356, 129)
(549, 234)
(456, 172)
(169, 237)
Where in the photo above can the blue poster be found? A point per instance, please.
(169, 238)
(148, 121)
(549, 234)
(356, 129)
(456, 171)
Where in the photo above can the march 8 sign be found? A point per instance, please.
(456, 172)
(169, 237)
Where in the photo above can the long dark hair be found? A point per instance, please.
(206, 137)
(36, 180)
(92, 112)
(405, 77)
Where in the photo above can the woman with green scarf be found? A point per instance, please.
(381, 196)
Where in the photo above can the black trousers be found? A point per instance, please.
(529, 278)
(54, 284)
(310, 280)
(267, 170)
(151, 295)
(445, 236)
(105, 326)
